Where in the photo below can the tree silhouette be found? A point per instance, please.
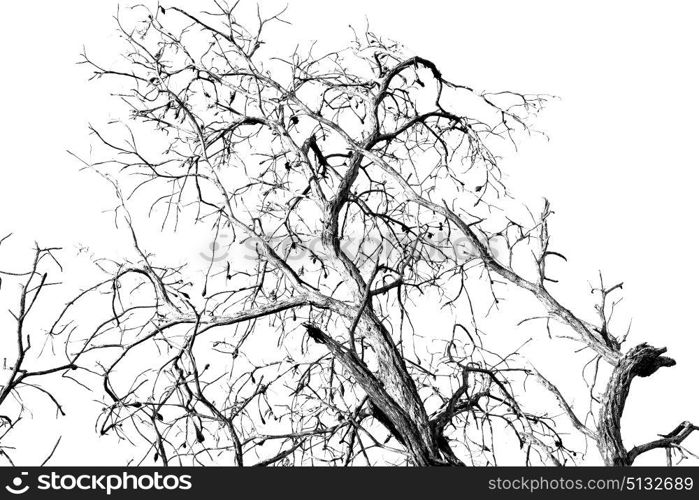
(38, 348)
(343, 192)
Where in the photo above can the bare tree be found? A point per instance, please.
(342, 193)
(38, 351)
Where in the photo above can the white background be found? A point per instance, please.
(620, 168)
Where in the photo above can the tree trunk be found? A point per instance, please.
(641, 361)
(397, 382)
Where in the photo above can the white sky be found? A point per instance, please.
(620, 168)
